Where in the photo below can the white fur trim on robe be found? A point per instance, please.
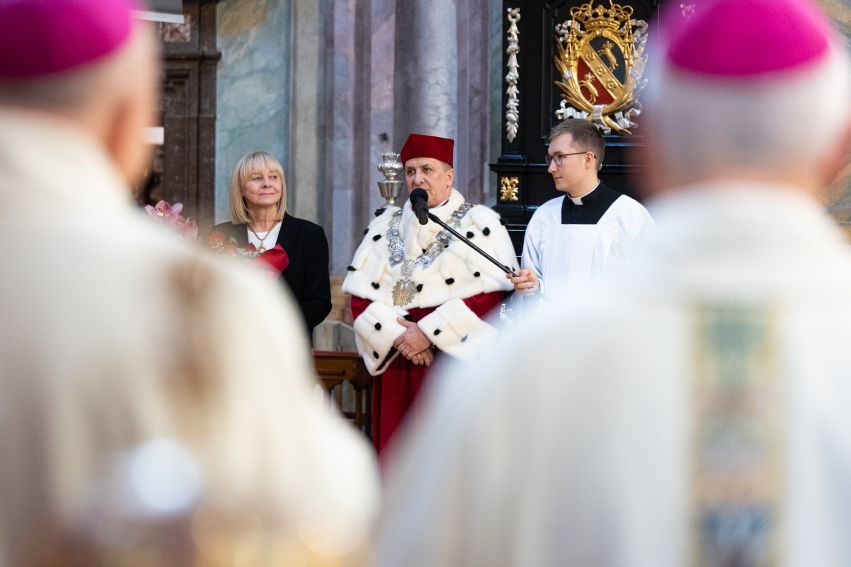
(455, 329)
(457, 273)
(375, 331)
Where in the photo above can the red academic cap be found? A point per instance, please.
(420, 145)
(40, 38)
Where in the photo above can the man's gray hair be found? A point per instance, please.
(765, 123)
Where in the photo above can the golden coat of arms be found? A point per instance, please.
(600, 57)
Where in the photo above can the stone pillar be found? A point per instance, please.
(347, 129)
(471, 144)
(426, 82)
(253, 94)
(306, 182)
(496, 32)
(382, 72)
(442, 82)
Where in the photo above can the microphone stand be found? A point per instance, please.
(466, 241)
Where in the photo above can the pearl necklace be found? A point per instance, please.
(262, 248)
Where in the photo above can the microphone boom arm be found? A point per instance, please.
(466, 241)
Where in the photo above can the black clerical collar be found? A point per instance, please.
(588, 195)
(594, 206)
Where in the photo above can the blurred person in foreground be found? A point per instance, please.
(418, 292)
(693, 410)
(258, 211)
(570, 240)
(140, 423)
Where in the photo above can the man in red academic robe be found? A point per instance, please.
(418, 292)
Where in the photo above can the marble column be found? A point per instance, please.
(347, 148)
(306, 179)
(252, 89)
(382, 75)
(426, 83)
(471, 150)
(442, 83)
(495, 87)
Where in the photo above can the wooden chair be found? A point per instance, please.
(340, 371)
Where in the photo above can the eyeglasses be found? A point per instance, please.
(558, 157)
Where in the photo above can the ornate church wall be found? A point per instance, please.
(330, 85)
(253, 86)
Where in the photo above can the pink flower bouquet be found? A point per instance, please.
(273, 261)
(170, 217)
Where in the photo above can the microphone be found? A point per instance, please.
(419, 202)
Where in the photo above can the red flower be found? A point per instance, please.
(275, 260)
(216, 240)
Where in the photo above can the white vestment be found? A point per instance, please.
(586, 435)
(566, 255)
(118, 336)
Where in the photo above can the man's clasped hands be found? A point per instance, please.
(413, 344)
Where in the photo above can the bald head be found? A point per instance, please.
(87, 62)
(781, 114)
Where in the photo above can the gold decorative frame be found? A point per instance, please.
(509, 189)
(600, 59)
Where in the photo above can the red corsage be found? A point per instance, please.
(275, 260)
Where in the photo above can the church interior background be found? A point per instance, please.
(327, 86)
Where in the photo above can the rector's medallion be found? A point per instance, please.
(403, 292)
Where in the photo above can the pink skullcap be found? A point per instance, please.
(739, 38)
(39, 38)
(421, 145)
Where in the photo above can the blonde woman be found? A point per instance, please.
(258, 203)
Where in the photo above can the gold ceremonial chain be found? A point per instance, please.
(261, 248)
(405, 288)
